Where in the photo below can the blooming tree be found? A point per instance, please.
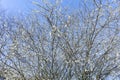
(55, 43)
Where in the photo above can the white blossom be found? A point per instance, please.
(77, 61)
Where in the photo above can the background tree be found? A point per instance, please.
(58, 44)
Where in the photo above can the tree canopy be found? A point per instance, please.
(57, 43)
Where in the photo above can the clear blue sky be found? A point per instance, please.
(23, 6)
(15, 6)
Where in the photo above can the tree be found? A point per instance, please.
(56, 44)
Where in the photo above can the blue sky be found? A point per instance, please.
(24, 6)
(15, 6)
